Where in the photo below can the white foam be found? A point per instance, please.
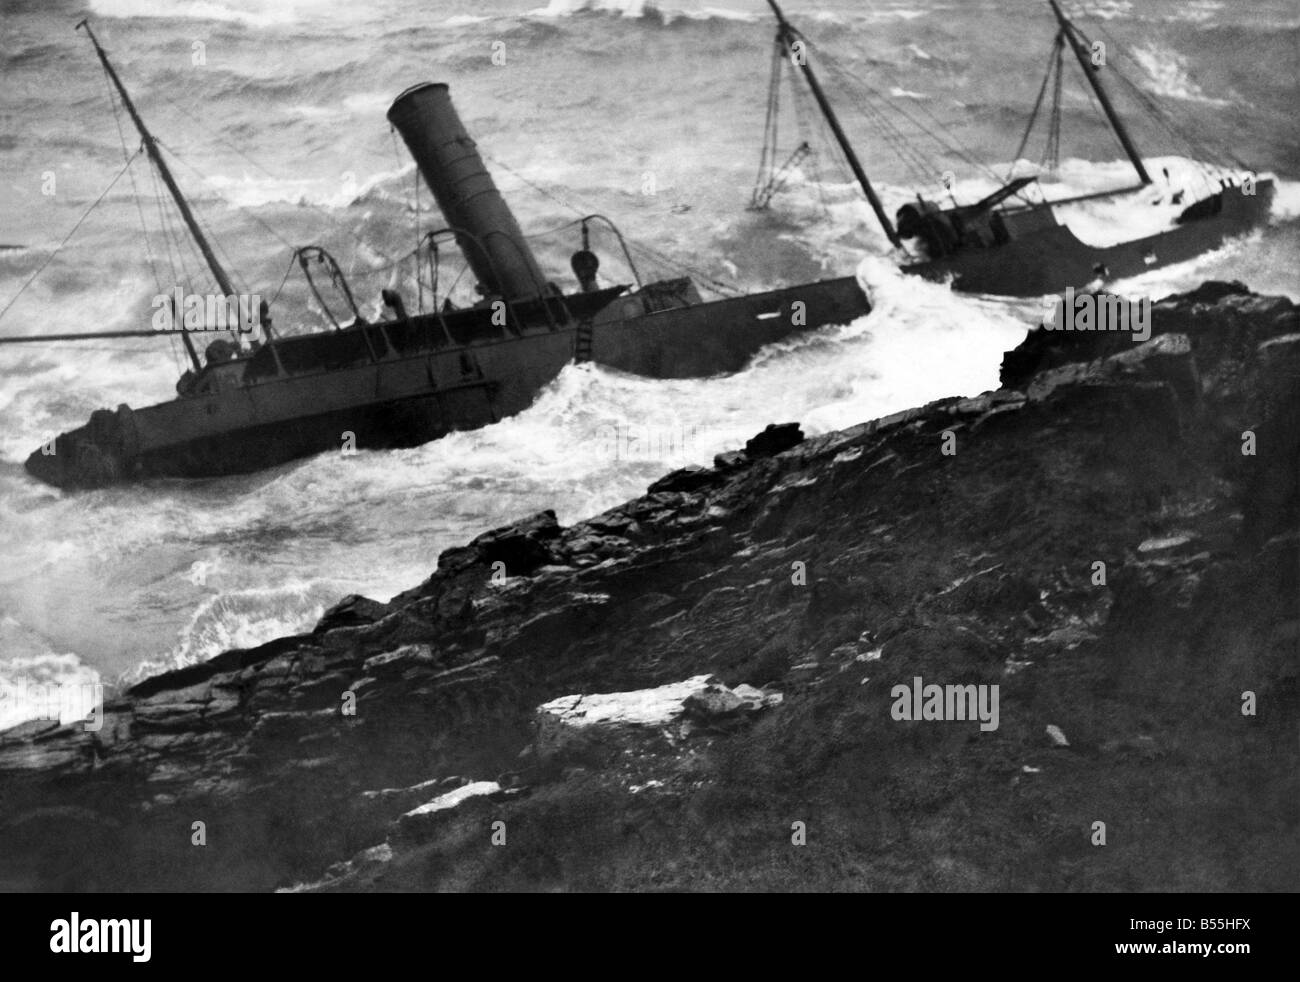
(1167, 75)
(37, 683)
(241, 619)
(251, 190)
(254, 13)
(641, 9)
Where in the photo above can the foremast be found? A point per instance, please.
(155, 155)
(786, 35)
(1094, 79)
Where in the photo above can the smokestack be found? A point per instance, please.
(464, 190)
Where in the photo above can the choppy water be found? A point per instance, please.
(284, 140)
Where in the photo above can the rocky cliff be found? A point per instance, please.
(695, 690)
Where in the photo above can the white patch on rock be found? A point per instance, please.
(453, 798)
(382, 853)
(640, 707)
(407, 654)
(645, 712)
(1161, 544)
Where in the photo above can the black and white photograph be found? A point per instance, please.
(651, 446)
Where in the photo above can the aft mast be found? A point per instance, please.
(1094, 80)
(787, 35)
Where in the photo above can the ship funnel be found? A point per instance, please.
(473, 208)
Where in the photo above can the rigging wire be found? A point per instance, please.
(419, 273)
(806, 137)
(179, 240)
(767, 156)
(208, 180)
(139, 207)
(707, 281)
(288, 271)
(1053, 62)
(71, 233)
(175, 244)
(135, 191)
(949, 145)
(1052, 152)
(1162, 115)
(711, 283)
(234, 147)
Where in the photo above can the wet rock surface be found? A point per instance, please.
(1095, 543)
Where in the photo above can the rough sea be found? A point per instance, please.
(651, 115)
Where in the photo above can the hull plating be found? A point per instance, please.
(406, 401)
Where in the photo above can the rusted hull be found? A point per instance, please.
(407, 401)
(1050, 260)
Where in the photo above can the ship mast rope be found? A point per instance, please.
(1051, 159)
(182, 254)
(174, 242)
(772, 177)
(1199, 151)
(915, 162)
(73, 231)
(717, 286)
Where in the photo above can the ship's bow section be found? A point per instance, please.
(102, 452)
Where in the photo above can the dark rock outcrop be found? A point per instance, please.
(1091, 538)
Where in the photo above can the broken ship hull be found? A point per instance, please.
(1049, 259)
(407, 400)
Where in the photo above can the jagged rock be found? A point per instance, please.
(523, 546)
(775, 438)
(1212, 291)
(414, 791)
(587, 548)
(712, 702)
(457, 559)
(560, 719)
(730, 460)
(578, 725)
(352, 611)
(1167, 357)
(686, 479)
(407, 656)
(716, 702)
(422, 820)
(1104, 553)
(340, 875)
